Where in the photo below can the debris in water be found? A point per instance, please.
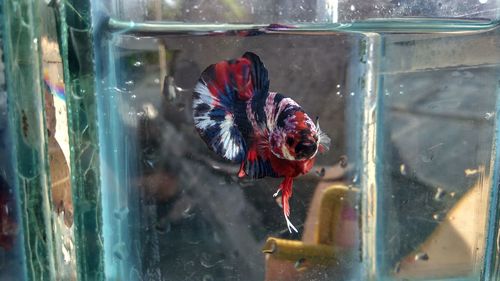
(321, 172)
(402, 169)
(471, 172)
(421, 257)
(440, 193)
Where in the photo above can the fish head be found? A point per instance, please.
(297, 140)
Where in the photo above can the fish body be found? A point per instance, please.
(267, 133)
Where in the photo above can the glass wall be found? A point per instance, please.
(11, 258)
(438, 102)
(115, 128)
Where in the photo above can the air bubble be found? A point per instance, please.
(353, 8)
(355, 178)
(137, 63)
(129, 82)
(483, 1)
(133, 97)
(352, 93)
(402, 169)
(338, 86)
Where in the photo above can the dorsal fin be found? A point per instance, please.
(259, 74)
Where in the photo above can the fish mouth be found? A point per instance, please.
(306, 149)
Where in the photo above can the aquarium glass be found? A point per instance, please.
(11, 259)
(406, 90)
(166, 191)
(437, 110)
(294, 11)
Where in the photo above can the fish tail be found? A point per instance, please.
(219, 103)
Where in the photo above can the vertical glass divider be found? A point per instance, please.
(27, 128)
(370, 144)
(76, 37)
(492, 253)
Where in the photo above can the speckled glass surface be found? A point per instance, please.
(77, 51)
(30, 177)
(407, 192)
(388, 90)
(12, 262)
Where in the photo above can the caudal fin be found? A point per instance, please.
(219, 103)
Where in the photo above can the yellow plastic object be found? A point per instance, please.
(296, 250)
(323, 221)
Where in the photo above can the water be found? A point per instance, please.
(409, 105)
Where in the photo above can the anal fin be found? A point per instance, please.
(286, 193)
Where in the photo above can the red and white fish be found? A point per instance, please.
(268, 133)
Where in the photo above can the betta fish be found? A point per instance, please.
(268, 134)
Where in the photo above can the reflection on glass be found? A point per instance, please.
(438, 106)
(410, 107)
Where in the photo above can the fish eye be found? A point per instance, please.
(289, 141)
